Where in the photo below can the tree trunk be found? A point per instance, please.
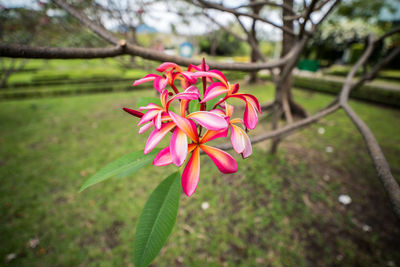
(131, 37)
(254, 57)
(284, 104)
(213, 47)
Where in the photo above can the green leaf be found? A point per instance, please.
(144, 101)
(157, 220)
(127, 164)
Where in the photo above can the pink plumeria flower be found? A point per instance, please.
(217, 122)
(156, 114)
(178, 142)
(160, 82)
(240, 140)
(224, 87)
(191, 174)
(171, 72)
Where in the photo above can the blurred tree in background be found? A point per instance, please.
(343, 35)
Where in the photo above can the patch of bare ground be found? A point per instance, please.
(111, 234)
(367, 226)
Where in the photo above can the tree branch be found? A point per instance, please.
(237, 36)
(347, 86)
(25, 51)
(372, 73)
(251, 41)
(389, 33)
(99, 30)
(267, 3)
(206, 4)
(331, 8)
(159, 56)
(389, 183)
(290, 128)
(380, 162)
(309, 11)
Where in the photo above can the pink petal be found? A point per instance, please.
(163, 157)
(219, 75)
(191, 93)
(234, 88)
(211, 135)
(191, 173)
(192, 67)
(237, 120)
(165, 117)
(229, 110)
(188, 76)
(218, 112)
(199, 67)
(250, 116)
(209, 120)
(167, 65)
(178, 147)
(133, 112)
(211, 74)
(145, 127)
(150, 106)
(163, 99)
(224, 162)
(187, 126)
(248, 150)
(254, 101)
(249, 98)
(156, 136)
(214, 90)
(148, 116)
(192, 89)
(237, 138)
(147, 78)
(157, 121)
(191, 147)
(160, 83)
(183, 106)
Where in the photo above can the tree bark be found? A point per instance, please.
(282, 89)
(254, 57)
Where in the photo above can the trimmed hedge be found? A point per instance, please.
(392, 75)
(60, 81)
(366, 92)
(29, 93)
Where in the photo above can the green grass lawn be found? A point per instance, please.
(276, 210)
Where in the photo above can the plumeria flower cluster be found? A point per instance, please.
(213, 114)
